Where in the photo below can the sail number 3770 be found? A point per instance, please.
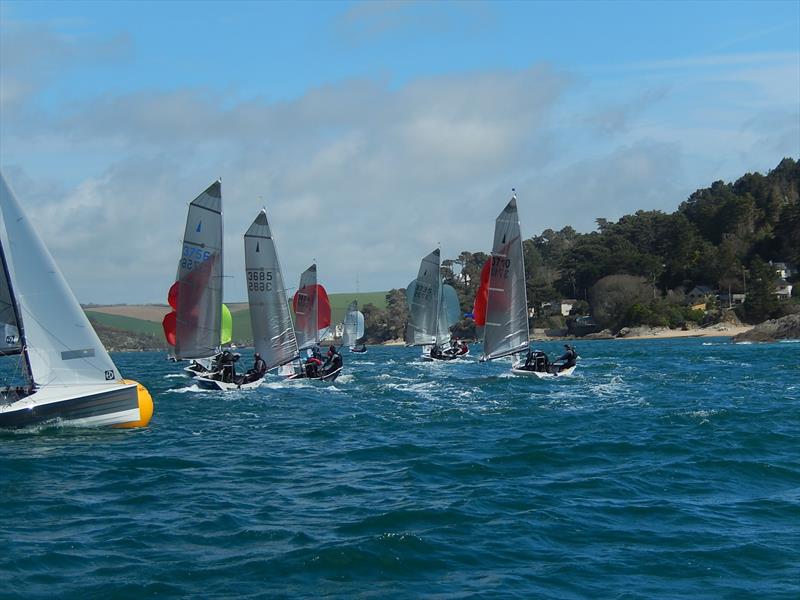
(259, 281)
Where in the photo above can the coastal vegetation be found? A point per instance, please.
(639, 269)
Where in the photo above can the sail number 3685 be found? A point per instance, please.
(259, 281)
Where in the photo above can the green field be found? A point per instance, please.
(241, 318)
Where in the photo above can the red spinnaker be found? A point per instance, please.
(170, 325)
(482, 295)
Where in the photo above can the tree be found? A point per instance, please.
(613, 296)
(761, 302)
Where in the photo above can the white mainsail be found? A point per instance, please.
(353, 325)
(270, 318)
(423, 302)
(60, 344)
(506, 331)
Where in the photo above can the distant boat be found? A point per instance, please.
(69, 377)
(353, 328)
(433, 309)
(312, 311)
(199, 323)
(501, 303)
(270, 318)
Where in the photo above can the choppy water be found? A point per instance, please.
(663, 469)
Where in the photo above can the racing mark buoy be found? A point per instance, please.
(145, 406)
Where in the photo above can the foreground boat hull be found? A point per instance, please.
(517, 369)
(80, 405)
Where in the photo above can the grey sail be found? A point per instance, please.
(353, 325)
(270, 317)
(305, 308)
(506, 330)
(199, 312)
(60, 344)
(449, 313)
(423, 302)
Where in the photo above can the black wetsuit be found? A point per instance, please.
(570, 358)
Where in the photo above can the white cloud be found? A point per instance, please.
(365, 177)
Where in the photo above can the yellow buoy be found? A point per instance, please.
(145, 406)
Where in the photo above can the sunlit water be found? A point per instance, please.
(662, 469)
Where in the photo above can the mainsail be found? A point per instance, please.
(353, 325)
(199, 292)
(60, 345)
(270, 318)
(506, 328)
(423, 302)
(312, 310)
(449, 312)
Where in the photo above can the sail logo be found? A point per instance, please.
(109, 375)
(199, 226)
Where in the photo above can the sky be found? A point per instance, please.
(373, 132)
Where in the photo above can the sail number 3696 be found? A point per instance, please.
(259, 281)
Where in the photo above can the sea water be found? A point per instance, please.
(662, 469)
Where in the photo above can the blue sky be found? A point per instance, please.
(389, 127)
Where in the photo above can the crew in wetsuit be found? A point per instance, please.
(333, 361)
(313, 363)
(436, 351)
(227, 366)
(570, 357)
(258, 371)
(463, 348)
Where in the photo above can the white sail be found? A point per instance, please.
(449, 313)
(506, 331)
(200, 276)
(270, 318)
(423, 302)
(60, 343)
(353, 325)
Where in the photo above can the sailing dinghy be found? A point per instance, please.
(69, 377)
(353, 328)
(199, 323)
(433, 309)
(501, 303)
(271, 321)
(312, 311)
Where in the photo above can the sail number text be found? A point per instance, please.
(259, 280)
(500, 267)
(193, 257)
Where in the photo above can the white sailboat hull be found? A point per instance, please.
(517, 369)
(81, 405)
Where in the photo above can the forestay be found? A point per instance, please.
(270, 317)
(506, 329)
(200, 278)
(61, 346)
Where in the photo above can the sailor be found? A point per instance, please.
(436, 351)
(227, 366)
(569, 357)
(333, 360)
(259, 365)
(463, 348)
(529, 360)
